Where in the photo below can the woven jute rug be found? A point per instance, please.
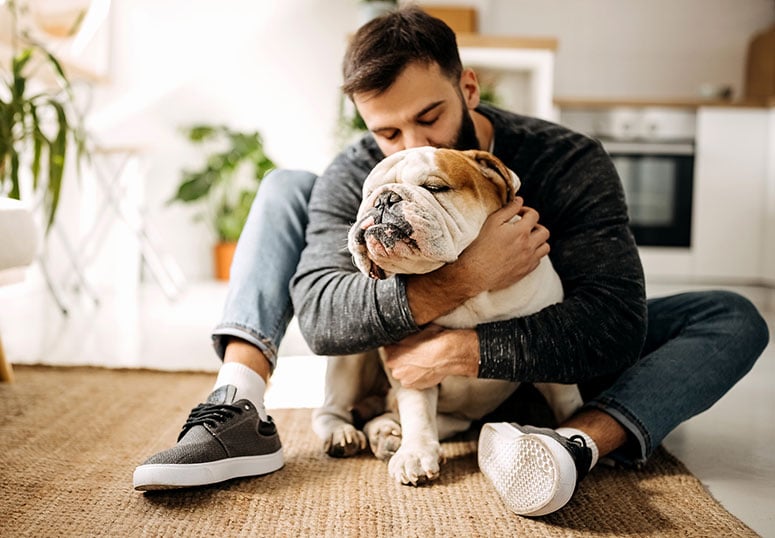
(71, 437)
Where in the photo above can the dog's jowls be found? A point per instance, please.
(421, 208)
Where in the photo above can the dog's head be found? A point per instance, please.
(423, 206)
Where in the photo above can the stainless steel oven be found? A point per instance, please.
(653, 152)
(658, 184)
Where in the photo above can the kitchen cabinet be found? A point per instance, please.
(768, 262)
(521, 69)
(733, 153)
(733, 200)
(733, 215)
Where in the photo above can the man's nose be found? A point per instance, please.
(414, 139)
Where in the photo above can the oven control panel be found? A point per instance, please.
(646, 124)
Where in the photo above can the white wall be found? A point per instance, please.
(271, 66)
(634, 48)
(769, 210)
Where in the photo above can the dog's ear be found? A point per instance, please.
(494, 169)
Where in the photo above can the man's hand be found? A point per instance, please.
(509, 246)
(422, 360)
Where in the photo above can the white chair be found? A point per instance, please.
(18, 246)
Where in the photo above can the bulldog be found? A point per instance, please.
(421, 208)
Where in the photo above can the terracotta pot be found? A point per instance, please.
(222, 256)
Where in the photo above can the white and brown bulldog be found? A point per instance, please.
(421, 208)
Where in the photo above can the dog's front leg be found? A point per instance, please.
(418, 458)
(347, 378)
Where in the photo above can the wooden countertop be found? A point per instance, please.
(506, 42)
(681, 102)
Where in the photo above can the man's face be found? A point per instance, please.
(421, 108)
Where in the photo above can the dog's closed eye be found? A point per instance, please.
(436, 188)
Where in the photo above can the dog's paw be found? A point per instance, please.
(384, 435)
(344, 442)
(416, 465)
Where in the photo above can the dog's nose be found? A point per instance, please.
(386, 200)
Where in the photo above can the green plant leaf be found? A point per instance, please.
(5, 141)
(19, 81)
(25, 120)
(15, 191)
(56, 161)
(215, 183)
(38, 141)
(57, 68)
(194, 186)
(229, 227)
(199, 133)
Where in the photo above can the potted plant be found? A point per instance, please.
(39, 126)
(224, 193)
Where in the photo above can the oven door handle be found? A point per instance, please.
(648, 148)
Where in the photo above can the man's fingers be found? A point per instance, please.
(540, 233)
(529, 216)
(510, 210)
(543, 250)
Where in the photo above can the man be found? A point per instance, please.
(403, 73)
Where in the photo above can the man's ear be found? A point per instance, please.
(494, 169)
(469, 88)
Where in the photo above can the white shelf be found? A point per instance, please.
(524, 68)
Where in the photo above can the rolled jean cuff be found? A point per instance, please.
(638, 447)
(243, 333)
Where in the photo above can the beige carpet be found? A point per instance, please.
(71, 438)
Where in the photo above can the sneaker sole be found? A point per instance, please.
(159, 476)
(533, 474)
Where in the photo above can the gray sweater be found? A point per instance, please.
(597, 330)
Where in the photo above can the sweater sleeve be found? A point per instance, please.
(339, 309)
(600, 326)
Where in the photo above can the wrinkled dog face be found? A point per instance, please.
(423, 206)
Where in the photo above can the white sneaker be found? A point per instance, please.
(534, 470)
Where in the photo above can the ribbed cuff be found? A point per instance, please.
(401, 317)
(498, 351)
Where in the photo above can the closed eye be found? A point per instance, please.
(435, 188)
(388, 135)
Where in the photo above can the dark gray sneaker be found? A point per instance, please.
(222, 439)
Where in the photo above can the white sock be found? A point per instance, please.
(570, 432)
(250, 385)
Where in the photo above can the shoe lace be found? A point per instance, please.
(583, 457)
(209, 414)
(579, 440)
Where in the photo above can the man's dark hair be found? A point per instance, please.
(383, 47)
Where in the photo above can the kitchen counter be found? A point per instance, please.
(520, 69)
(506, 42)
(683, 102)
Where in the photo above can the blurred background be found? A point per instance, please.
(125, 277)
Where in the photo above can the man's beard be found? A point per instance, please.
(466, 136)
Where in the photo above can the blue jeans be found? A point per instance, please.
(258, 305)
(697, 347)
